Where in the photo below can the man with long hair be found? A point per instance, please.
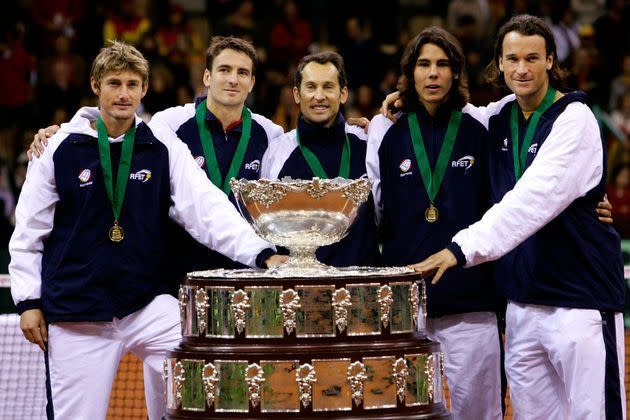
(559, 267)
(435, 156)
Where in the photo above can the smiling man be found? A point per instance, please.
(435, 156)
(226, 139)
(88, 265)
(324, 146)
(559, 267)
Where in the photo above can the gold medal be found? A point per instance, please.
(431, 214)
(116, 233)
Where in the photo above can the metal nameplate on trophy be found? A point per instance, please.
(280, 389)
(220, 319)
(315, 317)
(331, 391)
(264, 319)
(402, 318)
(363, 316)
(232, 392)
(380, 388)
(193, 397)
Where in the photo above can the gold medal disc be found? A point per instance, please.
(116, 233)
(431, 214)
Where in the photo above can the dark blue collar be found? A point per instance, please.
(316, 133)
(214, 122)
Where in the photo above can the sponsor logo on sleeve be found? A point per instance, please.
(465, 162)
(85, 178)
(404, 167)
(143, 176)
(254, 165)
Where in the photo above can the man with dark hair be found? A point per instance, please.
(559, 267)
(437, 131)
(324, 146)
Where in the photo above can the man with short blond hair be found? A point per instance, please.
(88, 262)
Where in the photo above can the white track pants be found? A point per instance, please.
(83, 358)
(555, 360)
(472, 363)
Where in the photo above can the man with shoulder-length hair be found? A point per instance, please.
(435, 156)
(87, 260)
(559, 267)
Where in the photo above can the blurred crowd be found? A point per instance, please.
(46, 47)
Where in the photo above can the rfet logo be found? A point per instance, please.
(85, 177)
(254, 165)
(142, 175)
(200, 161)
(465, 162)
(405, 165)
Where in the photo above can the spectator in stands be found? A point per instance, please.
(290, 37)
(619, 196)
(620, 84)
(127, 23)
(287, 111)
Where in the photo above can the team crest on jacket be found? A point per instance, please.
(405, 165)
(465, 162)
(85, 177)
(200, 161)
(504, 147)
(533, 148)
(254, 165)
(142, 175)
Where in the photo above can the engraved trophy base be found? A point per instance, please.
(302, 263)
(264, 347)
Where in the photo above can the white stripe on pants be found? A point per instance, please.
(84, 357)
(555, 362)
(472, 363)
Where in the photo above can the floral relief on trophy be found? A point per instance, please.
(165, 376)
(341, 303)
(385, 301)
(210, 381)
(262, 191)
(305, 376)
(400, 373)
(357, 192)
(254, 379)
(182, 298)
(289, 305)
(414, 299)
(201, 306)
(318, 189)
(429, 369)
(239, 303)
(180, 378)
(357, 375)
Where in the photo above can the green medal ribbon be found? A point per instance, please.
(519, 163)
(316, 166)
(212, 166)
(432, 181)
(115, 194)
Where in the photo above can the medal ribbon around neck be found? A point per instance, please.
(519, 162)
(316, 166)
(432, 181)
(115, 193)
(212, 166)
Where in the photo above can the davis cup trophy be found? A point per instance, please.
(304, 340)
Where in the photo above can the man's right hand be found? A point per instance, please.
(40, 141)
(391, 101)
(33, 326)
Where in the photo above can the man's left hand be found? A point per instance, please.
(604, 210)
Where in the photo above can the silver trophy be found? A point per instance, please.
(301, 215)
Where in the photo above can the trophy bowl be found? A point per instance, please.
(301, 215)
